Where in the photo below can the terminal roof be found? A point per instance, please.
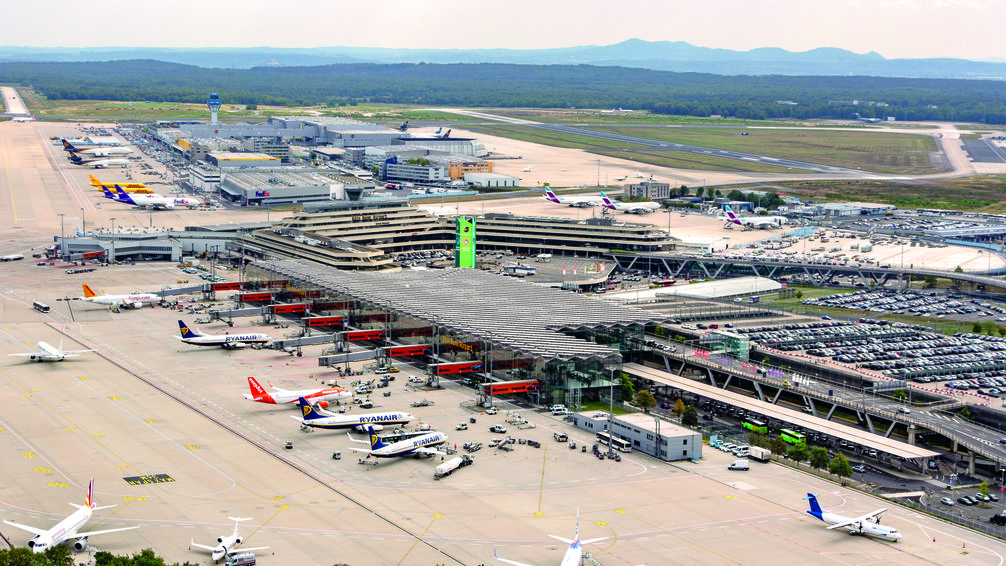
(512, 313)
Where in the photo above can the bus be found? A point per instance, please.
(755, 426)
(792, 437)
(40, 307)
(616, 443)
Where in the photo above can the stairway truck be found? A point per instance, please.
(448, 467)
(759, 454)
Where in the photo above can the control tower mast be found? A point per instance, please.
(214, 105)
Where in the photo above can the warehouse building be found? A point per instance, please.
(491, 180)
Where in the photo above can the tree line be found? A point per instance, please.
(538, 86)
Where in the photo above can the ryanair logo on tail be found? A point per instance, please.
(307, 410)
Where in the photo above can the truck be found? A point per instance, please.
(449, 466)
(759, 454)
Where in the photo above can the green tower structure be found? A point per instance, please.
(464, 243)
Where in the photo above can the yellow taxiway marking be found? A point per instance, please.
(28, 454)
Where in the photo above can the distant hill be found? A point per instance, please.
(676, 56)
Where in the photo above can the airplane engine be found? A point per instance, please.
(238, 540)
(220, 540)
(80, 544)
(31, 543)
(34, 357)
(323, 404)
(137, 305)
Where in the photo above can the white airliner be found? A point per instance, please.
(868, 524)
(284, 396)
(66, 529)
(762, 222)
(630, 207)
(227, 341)
(571, 201)
(98, 162)
(226, 544)
(359, 422)
(147, 200)
(133, 300)
(97, 151)
(23, 119)
(47, 353)
(573, 555)
(620, 179)
(422, 445)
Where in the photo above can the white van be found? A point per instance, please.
(739, 465)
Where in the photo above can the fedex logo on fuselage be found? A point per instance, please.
(262, 193)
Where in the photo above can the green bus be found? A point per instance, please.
(792, 437)
(755, 426)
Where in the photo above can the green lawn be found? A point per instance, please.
(867, 150)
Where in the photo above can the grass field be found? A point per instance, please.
(867, 150)
(552, 138)
(977, 194)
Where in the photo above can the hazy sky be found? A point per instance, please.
(894, 28)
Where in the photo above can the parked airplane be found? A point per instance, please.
(66, 529)
(763, 222)
(359, 422)
(444, 135)
(868, 524)
(150, 200)
(99, 162)
(227, 341)
(528, 169)
(227, 544)
(284, 396)
(572, 201)
(97, 151)
(622, 178)
(23, 119)
(867, 120)
(404, 126)
(128, 187)
(630, 207)
(573, 555)
(422, 445)
(134, 300)
(47, 353)
(639, 175)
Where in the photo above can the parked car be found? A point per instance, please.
(498, 429)
(491, 411)
(964, 501)
(947, 501)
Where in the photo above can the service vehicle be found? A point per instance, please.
(739, 465)
(759, 454)
(448, 467)
(560, 436)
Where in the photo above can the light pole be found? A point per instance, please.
(60, 228)
(611, 410)
(113, 239)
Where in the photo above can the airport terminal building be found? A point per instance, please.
(465, 321)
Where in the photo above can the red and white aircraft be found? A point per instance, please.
(278, 396)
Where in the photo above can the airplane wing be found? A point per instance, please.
(362, 450)
(75, 352)
(31, 530)
(855, 520)
(243, 549)
(202, 546)
(25, 354)
(106, 531)
(429, 452)
(515, 563)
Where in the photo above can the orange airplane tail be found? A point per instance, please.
(88, 293)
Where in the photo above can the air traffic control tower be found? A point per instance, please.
(214, 103)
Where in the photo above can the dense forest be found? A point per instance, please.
(541, 86)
